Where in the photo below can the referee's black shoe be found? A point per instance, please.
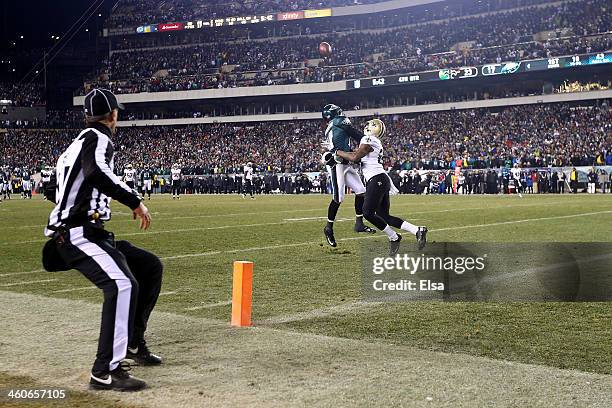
(329, 236)
(142, 355)
(117, 380)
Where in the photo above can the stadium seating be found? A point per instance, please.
(532, 135)
(22, 95)
(506, 35)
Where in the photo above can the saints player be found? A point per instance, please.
(338, 133)
(145, 177)
(26, 184)
(248, 180)
(175, 176)
(379, 186)
(516, 176)
(45, 175)
(129, 176)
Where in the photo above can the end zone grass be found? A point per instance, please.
(303, 286)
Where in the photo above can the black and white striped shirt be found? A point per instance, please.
(86, 182)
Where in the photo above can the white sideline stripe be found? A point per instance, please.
(4, 275)
(298, 244)
(395, 205)
(6, 285)
(75, 289)
(209, 305)
(174, 292)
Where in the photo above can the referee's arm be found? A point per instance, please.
(96, 155)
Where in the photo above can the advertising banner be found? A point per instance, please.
(290, 15)
(170, 26)
(317, 13)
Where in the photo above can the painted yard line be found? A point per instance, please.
(395, 205)
(4, 275)
(319, 313)
(174, 292)
(75, 289)
(130, 234)
(209, 305)
(298, 244)
(559, 217)
(6, 285)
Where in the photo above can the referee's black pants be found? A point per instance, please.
(377, 203)
(130, 278)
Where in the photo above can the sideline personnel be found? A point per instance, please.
(129, 276)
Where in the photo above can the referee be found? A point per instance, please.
(129, 276)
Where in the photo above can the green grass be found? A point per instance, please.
(303, 274)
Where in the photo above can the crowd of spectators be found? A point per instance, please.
(22, 95)
(421, 62)
(54, 119)
(499, 37)
(530, 136)
(136, 12)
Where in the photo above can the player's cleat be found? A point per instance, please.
(361, 227)
(394, 246)
(142, 355)
(421, 237)
(329, 236)
(118, 380)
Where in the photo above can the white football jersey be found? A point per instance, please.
(516, 173)
(129, 174)
(176, 174)
(371, 163)
(248, 172)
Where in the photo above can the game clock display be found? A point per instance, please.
(487, 70)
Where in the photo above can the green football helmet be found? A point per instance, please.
(331, 111)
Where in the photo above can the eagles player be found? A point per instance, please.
(26, 184)
(175, 176)
(248, 180)
(4, 184)
(46, 174)
(145, 177)
(129, 176)
(378, 187)
(338, 134)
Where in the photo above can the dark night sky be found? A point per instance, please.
(38, 20)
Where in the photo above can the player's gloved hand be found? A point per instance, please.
(329, 159)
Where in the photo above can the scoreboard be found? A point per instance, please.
(487, 70)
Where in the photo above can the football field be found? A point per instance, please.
(314, 341)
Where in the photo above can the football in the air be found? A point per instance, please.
(325, 49)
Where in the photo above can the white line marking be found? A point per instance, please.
(369, 236)
(6, 285)
(4, 275)
(209, 305)
(318, 313)
(395, 205)
(75, 289)
(174, 292)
